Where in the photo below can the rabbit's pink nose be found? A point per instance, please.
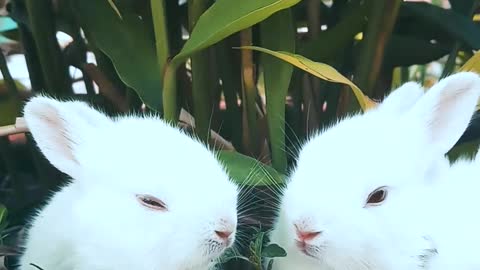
(224, 235)
(306, 235)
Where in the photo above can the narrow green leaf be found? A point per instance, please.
(247, 171)
(114, 7)
(277, 75)
(129, 44)
(225, 17)
(320, 70)
(273, 251)
(3, 213)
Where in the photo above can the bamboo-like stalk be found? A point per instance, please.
(161, 32)
(230, 74)
(250, 92)
(202, 105)
(31, 58)
(383, 15)
(54, 69)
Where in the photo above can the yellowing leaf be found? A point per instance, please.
(473, 65)
(320, 70)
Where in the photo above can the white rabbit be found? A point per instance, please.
(143, 194)
(366, 193)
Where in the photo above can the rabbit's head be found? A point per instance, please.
(143, 188)
(354, 200)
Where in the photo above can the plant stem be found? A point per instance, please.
(11, 86)
(55, 71)
(31, 58)
(250, 92)
(161, 32)
(277, 76)
(404, 74)
(229, 72)
(170, 111)
(383, 15)
(200, 76)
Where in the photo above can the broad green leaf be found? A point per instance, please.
(273, 251)
(277, 75)
(128, 43)
(245, 170)
(462, 6)
(226, 17)
(454, 24)
(408, 50)
(320, 70)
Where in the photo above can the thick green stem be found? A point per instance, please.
(383, 15)
(404, 74)
(31, 58)
(250, 92)
(170, 112)
(229, 72)
(161, 32)
(54, 69)
(201, 85)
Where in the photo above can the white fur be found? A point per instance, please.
(96, 222)
(402, 149)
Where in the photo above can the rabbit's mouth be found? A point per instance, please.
(308, 249)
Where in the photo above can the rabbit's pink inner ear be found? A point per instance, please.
(54, 132)
(445, 110)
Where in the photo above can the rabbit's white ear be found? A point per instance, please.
(59, 127)
(444, 112)
(402, 99)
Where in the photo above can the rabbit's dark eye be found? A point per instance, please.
(152, 202)
(377, 196)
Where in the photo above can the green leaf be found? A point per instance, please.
(247, 171)
(277, 75)
(230, 254)
(225, 17)
(320, 70)
(270, 265)
(128, 43)
(273, 251)
(454, 24)
(465, 150)
(407, 51)
(462, 6)
(3, 215)
(10, 105)
(115, 8)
